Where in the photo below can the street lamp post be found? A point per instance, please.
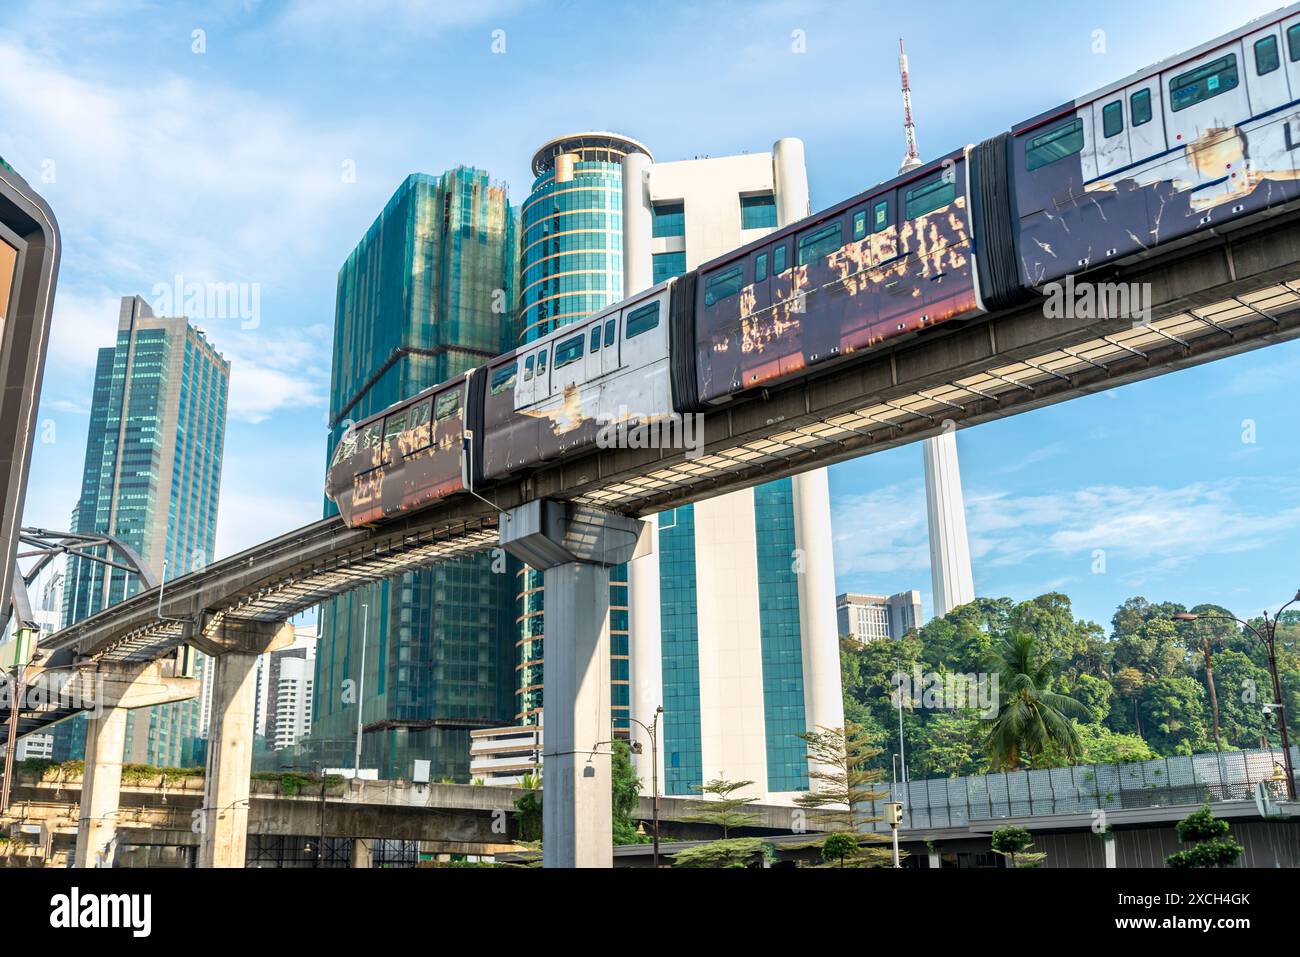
(1269, 640)
(361, 689)
(653, 730)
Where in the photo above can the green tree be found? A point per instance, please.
(1031, 718)
(725, 808)
(1211, 846)
(1173, 713)
(842, 791)
(626, 797)
(737, 852)
(839, 847)
(528, 809)
(1014, 843)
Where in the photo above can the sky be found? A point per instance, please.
(254, 142)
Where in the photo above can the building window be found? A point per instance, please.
(667, 265)
(669, 219)
(758, 212)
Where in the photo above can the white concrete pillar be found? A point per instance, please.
(645, 654)
(363, 853)
(577, 813)
(638, 261)
(230, 760)
(791, 179)
(101, 788)
(950, 568)
(822, 685)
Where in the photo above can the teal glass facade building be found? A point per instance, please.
(152, 478)
(426, 295)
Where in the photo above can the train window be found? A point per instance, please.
(880, 216)
(609, 332)
(1203, 83)
(370, 435)
(928, 197)
(504, 377)
(448, 405)
(568, 351)
(779, 264)
(859, 224)
(1139, 107)
(347, 445)
(1266, 57)
(595, 338)
(1293, 42)
(1112, 119)
(820, 242)
(760, 267)
(528, 369)
(394, 426)
(418, 424)
(724, 285)
(1054, 145)
(541, 363)
(642, 320)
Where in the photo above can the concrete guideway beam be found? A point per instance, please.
(116, 690)
(235, 646)
(575, 547)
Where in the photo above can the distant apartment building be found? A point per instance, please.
(867, 618)
(290, 673)
(426, 295)
(152, 478)
(501, 757)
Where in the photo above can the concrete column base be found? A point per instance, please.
(230, 761)
(363, 853)
(101, 789)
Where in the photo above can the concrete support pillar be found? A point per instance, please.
(230, 760)
(823, 688)
(577, 814)
(645, 646)
(638, 260)
(935, 859)
(101, 788)
(575, 547)
(114, 691)
(950, 568)
(363, 853)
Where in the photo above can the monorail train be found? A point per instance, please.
(1155, 160)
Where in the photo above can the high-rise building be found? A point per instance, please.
(733, 614)
(730, 624)
(426, 295)
(571, 265)
(290, 673)
(152, 478)
(867, 618)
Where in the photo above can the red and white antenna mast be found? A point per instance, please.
(913, 158)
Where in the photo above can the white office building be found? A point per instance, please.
(867, 618)
(732, 625)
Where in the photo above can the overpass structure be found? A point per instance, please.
(1229, 291)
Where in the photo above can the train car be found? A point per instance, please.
(890, 262)
(405, 457)
(1199, 140)
(555, 395)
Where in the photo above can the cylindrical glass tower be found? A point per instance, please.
(571, 265)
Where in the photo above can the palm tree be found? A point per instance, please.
(1031, 718)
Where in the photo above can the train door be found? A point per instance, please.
(1266, 81)
(1290, 52)
(594, 370)
(645, 344)
(609, 346)
(526, 384)
(761, 285)
(1110, 133)
(1146, 129)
